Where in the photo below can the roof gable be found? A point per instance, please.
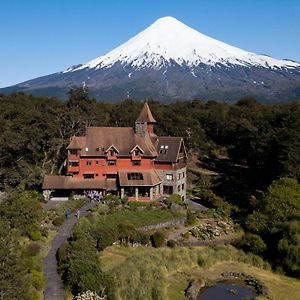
(168, 148)
(112, 147)
(99, 139)
(146, 115)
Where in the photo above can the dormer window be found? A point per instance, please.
(163, 149)
(136, 151)
(112, 151)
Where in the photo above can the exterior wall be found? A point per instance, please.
(141, 129)
(100, 166)
(178, 183)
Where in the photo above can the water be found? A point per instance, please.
(227, 291)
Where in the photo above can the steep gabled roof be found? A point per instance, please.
(146, 115)
(112, 146)
(98, 139)
(77, 142)
(168, 148)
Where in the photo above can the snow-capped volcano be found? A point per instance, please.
(169, 61)
(169, 40)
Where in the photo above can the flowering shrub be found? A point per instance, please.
(89, 295)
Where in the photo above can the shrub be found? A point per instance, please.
(58, 221)
(185, 235)
(88, 295)
(190, 218)
(143, 238)
(174, 199)
(252, 243)
(44, 232)
(38, 280)
(35, 235)
(172, 243)
(33, 249)
(157, 239)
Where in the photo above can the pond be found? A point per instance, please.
(227, 291)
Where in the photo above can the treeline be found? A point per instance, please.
(20, 258)
(36, 130)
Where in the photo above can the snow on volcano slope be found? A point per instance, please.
(168, 40)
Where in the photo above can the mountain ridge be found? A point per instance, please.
(169, 61)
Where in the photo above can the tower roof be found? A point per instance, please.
(146, 115)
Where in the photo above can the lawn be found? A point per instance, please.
(136, 217)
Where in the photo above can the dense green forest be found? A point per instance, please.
(35, 132)
(259, 187)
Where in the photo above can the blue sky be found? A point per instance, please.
(39, 37)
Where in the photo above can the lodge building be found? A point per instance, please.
(126, 161)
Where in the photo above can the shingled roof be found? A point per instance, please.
(146, 115)
(77, 142)
(148, 178)
(168, 148)
(57, 182)
(98, 139)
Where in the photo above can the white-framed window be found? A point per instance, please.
(169, 176)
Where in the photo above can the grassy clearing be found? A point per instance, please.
(148, 273)
(135, 217)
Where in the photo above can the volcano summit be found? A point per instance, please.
(170, 61)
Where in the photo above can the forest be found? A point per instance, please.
(255, 147)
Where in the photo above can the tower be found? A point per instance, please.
(145, 122)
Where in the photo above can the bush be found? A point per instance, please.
(252, 243)
(58, 221)
(190, 218)
(143, 238)
(171, 244)
(44, 232)
(35, 235)
(38, 280)
(185, 235)
(33, 249)
(174, 199)
(157, 239)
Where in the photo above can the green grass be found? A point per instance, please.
(135, 217)
(163, 273)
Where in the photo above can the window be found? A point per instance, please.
(183, 174)
(88, 176)
(73, 152)
(88, 163)
(136, 163)
(97, 162)
(179, 175)
(182, 186)
(135, 176)
(178, 188)
(168, 190)
(169, 176)
(111, 162)
(73, 163)
(111, 176)
(163, 149)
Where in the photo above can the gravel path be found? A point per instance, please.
(54, 289)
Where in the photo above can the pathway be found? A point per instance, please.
(54, 289)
